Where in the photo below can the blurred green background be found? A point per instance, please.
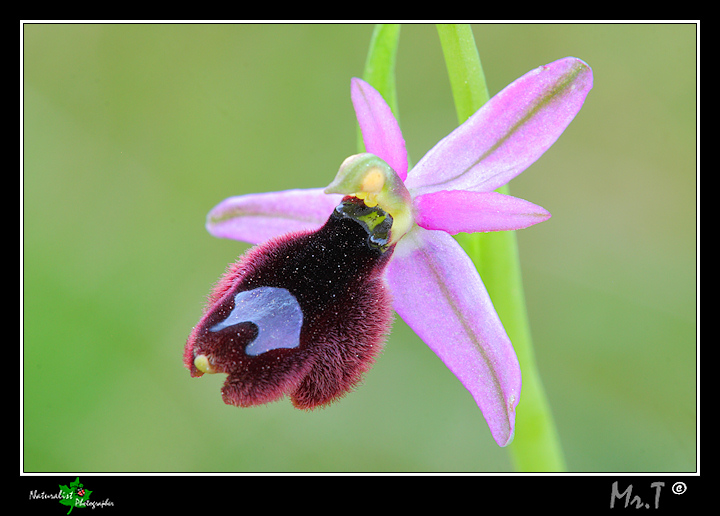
(133, 132)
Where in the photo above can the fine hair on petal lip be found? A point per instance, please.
(336, 275)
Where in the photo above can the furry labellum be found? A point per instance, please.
(303, 315)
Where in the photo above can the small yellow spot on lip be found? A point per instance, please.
(202, 363)
(373, 181)
(371, 201)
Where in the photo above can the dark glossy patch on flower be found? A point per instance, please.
(336, 276)
(376, 222)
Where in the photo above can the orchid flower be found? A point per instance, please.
(434, 285)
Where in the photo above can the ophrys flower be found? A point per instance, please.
(434, 285)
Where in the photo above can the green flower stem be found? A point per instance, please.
(536, 446)
(467, 79)
(380, 67)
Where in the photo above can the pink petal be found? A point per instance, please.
(438, 292)
(507, 134)
(471, 212)
(381, 132)
(255, 218)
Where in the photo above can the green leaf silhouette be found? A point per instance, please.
(71, 496)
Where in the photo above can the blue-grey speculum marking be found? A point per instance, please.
(274, 311)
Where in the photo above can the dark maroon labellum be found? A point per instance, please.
(302, 315)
